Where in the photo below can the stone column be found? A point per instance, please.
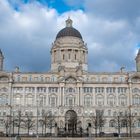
(94, 103)
(81, 96)
(66, 55)
(80, 51)
(35, 98)
(11, 93)
(79, 91)
(47, 99)
(59, 55)
(105, 100)
(86, 56)
(117, 97)
(59, 96)
(72, 56)
(130, 94)
(63, 98)
(24, 96)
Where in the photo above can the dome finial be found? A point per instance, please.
(68, 22)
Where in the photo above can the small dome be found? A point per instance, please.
(69, 30)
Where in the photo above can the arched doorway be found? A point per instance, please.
(71, 121)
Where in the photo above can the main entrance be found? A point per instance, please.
(71, 121)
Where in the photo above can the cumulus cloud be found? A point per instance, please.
(116, 9)
(26, 34)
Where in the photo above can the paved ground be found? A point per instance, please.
(3, 138)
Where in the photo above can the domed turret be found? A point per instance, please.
(68, 50)
(68, 31)
(138, 61)
(1, 60)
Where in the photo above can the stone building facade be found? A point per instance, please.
(68, 90)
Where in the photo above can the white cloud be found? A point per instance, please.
(26, 37)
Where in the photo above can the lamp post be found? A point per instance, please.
(119, 125)
(10, 119)
(89, 113)
(130, 121)
(37, 121)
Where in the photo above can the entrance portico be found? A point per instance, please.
(71, 121)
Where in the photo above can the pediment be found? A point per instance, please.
(3, 78)
(4, 89)
(135, 78)
(70, 79)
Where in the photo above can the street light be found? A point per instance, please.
(10, 118)
(37, 121)
(130, 121)
(9, 106)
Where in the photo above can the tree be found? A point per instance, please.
(98, 121)
(50, 121)
(7, 123)
(43, 121)
(118, 118)
(28, 123)
(124, 120)
(13, 123)
(18, 121)
(47, 121)
(129, 120)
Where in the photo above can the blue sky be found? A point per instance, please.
(109, 27)
(60, 5)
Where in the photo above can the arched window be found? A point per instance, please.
(70, 100)
(112, 123)
(136, 100)
(17, 100)
(122, 100)
(3, 99)
(135, 90)
(4, 78)
(124, 123)
(29, 99)
(53, 100)
(4, 89)
(109, 112)
(114, 113)
(99, 100)
(111, 100)
(47, 79)
(87, 100)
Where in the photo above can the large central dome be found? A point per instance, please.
(68, 30)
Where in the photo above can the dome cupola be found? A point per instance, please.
(68, 31)
(69, 50)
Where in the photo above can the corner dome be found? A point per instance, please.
(68, 31)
